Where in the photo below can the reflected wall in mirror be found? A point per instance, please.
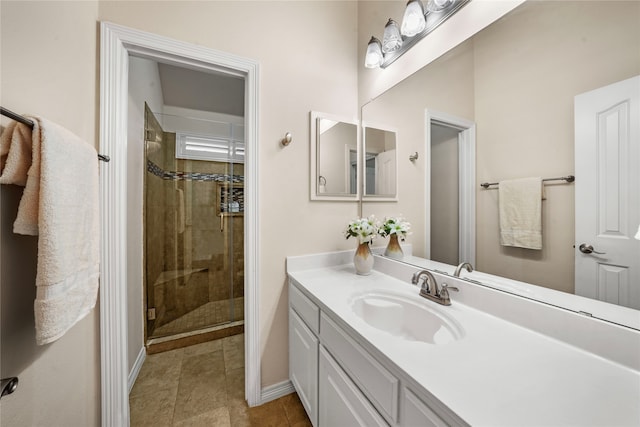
(334, 158)
(380, 163)
(518, 80)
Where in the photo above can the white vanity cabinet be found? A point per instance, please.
(369, 351)
(339, 382)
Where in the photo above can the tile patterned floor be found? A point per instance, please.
(203, 385)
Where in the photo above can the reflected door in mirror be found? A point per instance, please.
(608, 127)
(380, 163)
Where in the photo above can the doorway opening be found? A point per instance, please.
(450, 188)
(186, 131)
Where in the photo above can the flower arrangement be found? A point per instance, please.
(365, 229)
(393, 225)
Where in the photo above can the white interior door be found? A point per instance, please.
(607, 156)
(386, 172)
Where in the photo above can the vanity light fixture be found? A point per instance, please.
(637, 236)
(374, 56)
(417, 22)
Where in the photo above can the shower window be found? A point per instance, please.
(203, 147)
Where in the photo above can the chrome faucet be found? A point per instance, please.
(429, 288)
(465, 265)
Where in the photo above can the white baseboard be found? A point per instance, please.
(276, 391)
(133, 375)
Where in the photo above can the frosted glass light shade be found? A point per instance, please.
(638, 233)
(413, 21)
(438, 5)
(374, 57)
(392, 40)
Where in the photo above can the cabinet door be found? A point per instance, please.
(416, 413)
(303, 364)
(341, 402)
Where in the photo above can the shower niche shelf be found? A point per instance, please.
(230, 199)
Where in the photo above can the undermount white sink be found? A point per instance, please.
(406, 318)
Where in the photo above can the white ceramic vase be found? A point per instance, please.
(363, 259)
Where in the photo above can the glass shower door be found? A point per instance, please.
(194, 232)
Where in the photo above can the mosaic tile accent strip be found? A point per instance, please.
(191, 176)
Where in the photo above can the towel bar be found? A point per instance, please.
(568, 178)
(24, 120)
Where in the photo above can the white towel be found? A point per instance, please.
(15, 154)
(520, 206)
(60, 204)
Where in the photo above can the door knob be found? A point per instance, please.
(9, 385)
(588, 249)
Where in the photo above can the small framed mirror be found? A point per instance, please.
(335, 155)
(380, 163)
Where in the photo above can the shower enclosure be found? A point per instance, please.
(194, 225)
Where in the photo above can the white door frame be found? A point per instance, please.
(117, 43)
(467, 181)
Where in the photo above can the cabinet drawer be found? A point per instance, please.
(305, 308)
(341, 403)
(376, 382)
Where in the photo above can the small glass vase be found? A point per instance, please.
(394, 250)
(363, 259)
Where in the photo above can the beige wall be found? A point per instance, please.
(49, 68)
(307, 62)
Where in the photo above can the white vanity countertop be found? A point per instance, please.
(498, 373)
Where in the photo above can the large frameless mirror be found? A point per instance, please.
(533, 127)
(334, 158)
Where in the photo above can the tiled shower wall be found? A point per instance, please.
(192, 261)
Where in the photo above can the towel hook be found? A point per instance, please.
(287, 139)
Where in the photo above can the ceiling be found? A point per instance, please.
(215, 92)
